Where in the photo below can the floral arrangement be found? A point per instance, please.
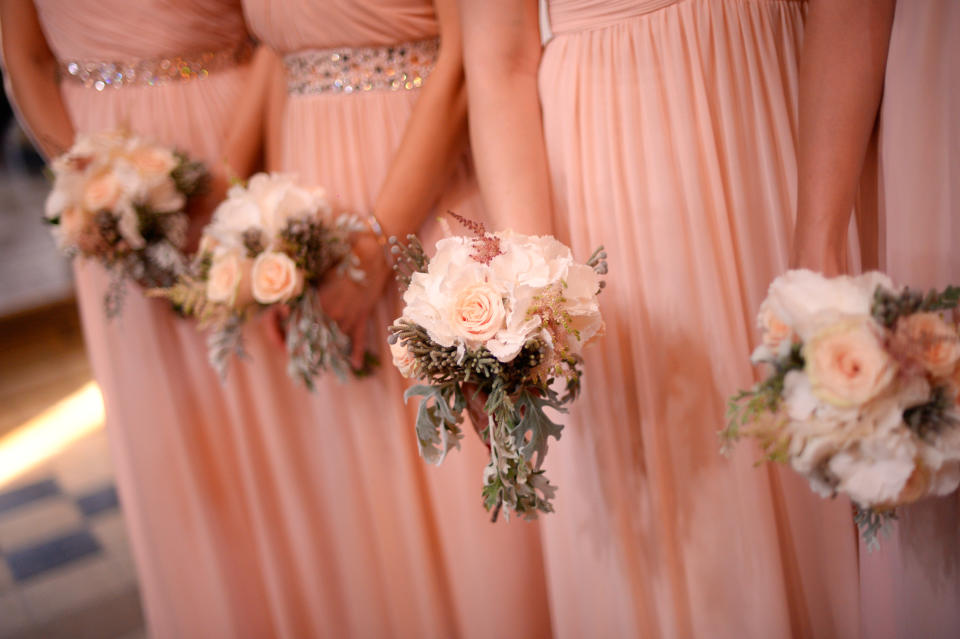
(494, 319)
(863, 389)
(120, 200)
(269, 243)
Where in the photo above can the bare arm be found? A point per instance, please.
(433, 139)
(240, 153)
(31, 77)
(502, 55)
(841, 84)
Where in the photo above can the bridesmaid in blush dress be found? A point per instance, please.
(360, 537)
(166, 415)
(667, 134)
(893, 64)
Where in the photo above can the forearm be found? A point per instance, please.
(502, 53)
(433, 142)
(31, 78)
(841, 84)
(244, 142)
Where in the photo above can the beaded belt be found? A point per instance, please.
(398, 67)
(154, 71)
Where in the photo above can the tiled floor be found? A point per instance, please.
(65, 565)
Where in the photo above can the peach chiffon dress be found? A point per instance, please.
(911, 586)
(671, 133)
(167, 417)
(384, 545)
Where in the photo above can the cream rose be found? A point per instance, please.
(73, 224)
(478, 313)
(404, 360)
(275, 278)
(933, 342)
(846, 363)
(102, 192)
(775, 333)
(152, 161)
(165, 198)
(228, 281)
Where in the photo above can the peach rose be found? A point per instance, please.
(228, 281)
(73, 224)
(775, 332)
(102, 192)
(152, 160)
(403, 359)
(275, 278)
(478, 313)
(846, 363)
(933, 341)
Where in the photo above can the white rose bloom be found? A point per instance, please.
(876, 469)
(535, 261)
(805, 300)
(582, 304)
(231, 218)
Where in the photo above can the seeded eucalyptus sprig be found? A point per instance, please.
(871, 523)
(409, 258)
(931, 417)
(889, 306)
(598, 262)
(191, 178)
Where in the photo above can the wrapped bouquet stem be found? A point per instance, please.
(270, 244)
(121, 200)
(862, 393)
(495, 323)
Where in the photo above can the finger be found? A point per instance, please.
(276, 328)
(359, 337)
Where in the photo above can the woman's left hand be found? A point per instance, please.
(350, 303)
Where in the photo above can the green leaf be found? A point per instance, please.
(534, 428)
(437, 421)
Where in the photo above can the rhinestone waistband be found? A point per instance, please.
(154, 71)
(398, 67)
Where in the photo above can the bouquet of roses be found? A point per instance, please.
(862, 394)
(120, 199)
(495, 319)
(271, 242)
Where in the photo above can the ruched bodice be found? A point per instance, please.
(574, 15)
(121, 30)
(294, 25)
(578, 15)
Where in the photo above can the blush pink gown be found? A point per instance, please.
(911, 586)
(167, 417)
(671, 132)
(367, 540)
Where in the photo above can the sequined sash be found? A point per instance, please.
(398, 67)
(101, 75)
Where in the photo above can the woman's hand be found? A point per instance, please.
(200, 208)
(350, 303)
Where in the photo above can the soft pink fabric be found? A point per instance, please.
(408, 549)
(671, 135)
(911, 587)
(169, 422)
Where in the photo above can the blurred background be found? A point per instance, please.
(65, 566)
